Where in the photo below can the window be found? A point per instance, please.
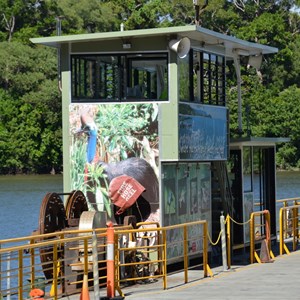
(115, 78)
(247, 168)
(213, 78)
(205, 73)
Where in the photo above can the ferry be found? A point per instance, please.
(146, 141)
(151, 105)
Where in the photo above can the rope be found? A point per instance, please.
(238, 223)
(218, 239)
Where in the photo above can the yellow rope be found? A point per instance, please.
(244, 223)
(226, 220)
(218, 239)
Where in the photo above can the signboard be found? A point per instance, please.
(202, 132)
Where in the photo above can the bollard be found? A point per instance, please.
(223, 242)
(110, 251)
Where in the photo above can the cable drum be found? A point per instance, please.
(90, 220)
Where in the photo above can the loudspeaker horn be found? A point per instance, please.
(255, 61)
(181, 47)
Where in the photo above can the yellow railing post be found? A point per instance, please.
(295, 226)
(228, 227)
(252, 246)
(20, 275)
(185, 253)
(55, 275)
(160, 251)
(164, 253)
(32, 265)
(281, 231)
(205, 246)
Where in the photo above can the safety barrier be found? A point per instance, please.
(69, 262)
(285, 214)
(55, 263)
(260, 232)
(72, 262)
(289, 226)
(143, 254)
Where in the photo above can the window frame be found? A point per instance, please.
(210, 76)
(122, 77)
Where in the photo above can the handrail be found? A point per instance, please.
(265, 226)
(288, 226)
(37, 236)
(288, 199)
(71, 258)
(21, 272)
(160, 248)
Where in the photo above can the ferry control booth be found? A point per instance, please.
(157, 98)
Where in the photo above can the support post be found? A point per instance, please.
(95, 266)
(223, 242)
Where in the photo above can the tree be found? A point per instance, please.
(140, 14)
(29, 99)
(30, 121)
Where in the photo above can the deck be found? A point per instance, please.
(277, 280)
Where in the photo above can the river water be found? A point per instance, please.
(21, 197)
(20, 200)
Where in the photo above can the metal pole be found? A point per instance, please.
(58, 32)
(8, 275)
(185, 254)
(228, 241)
(205, 250)
(237, 65)
(223, 242)
(95, 266)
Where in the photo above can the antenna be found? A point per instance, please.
(199, 7)
(58, 32)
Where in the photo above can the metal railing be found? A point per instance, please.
(53, 262)
(260, 232)
(288, 227)
(58, 263)
(143, 257)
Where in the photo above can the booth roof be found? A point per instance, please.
(258, 141)
(200, 38)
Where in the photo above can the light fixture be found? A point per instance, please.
(255, 61)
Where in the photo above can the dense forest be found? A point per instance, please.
(30, 105)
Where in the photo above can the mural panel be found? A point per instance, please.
(114, 158)
(186, 196)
